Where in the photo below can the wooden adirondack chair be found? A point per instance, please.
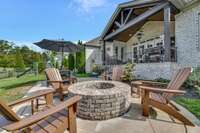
(160, 98)
(117, 74)
(55, 79)
(55, 119)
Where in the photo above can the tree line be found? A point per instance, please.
(20, 58)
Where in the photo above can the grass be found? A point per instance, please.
(193, 105)
(15, 88)
(82, 75)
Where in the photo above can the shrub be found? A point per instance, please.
(97, 69)
(80, 58)
(41, 66)
(128, 72)
(194, 80)
(19, 61)
(66, 63)
(162, 80)
(71, 61)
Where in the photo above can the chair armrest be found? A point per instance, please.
(41, 115)
(32, 97)
(152, 89)
(154, 83)
(71, 80)
(56, 81)
(62, 81)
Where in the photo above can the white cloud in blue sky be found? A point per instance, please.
(87, 5)
(27, 21)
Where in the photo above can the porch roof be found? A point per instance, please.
(129, 17)
(93, 43)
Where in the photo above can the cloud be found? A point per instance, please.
(87, 5)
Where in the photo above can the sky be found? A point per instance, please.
(26, 21)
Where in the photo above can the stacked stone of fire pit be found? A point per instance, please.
(101, 100)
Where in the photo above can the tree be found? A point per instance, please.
(65, 63)
(71, 61)
(13, 56)
(80, 59)
(42, 62)
(52, 58)
(19, 61)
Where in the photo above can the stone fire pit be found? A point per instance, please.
(101, 100)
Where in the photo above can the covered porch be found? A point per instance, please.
(145, 31)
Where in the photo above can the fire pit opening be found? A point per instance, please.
(101, 85)
(101, 100)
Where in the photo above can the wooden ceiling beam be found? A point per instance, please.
(128, 16)
(117, 24)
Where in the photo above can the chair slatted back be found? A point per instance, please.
(53, 74)
(177, 81)
(7, 112)
(117, 73)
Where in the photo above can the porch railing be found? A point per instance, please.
(149, 55)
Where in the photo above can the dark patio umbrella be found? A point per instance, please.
(58, 46)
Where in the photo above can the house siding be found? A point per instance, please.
(187, 37)
(93, 56)
(151, 71)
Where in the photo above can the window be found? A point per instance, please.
(135, 55)
(116, 51)
(149, 46)
(141, 50)
(122, 54)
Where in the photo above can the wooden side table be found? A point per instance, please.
(135, 86)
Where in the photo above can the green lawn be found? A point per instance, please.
(82, 75)
(15, 88)
(193, 105)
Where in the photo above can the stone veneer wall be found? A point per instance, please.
(150, 71)
(187, 32)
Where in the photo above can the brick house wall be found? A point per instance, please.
(187, 33)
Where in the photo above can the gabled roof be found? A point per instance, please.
(130, 16)
(94, 42)
(126, 5)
